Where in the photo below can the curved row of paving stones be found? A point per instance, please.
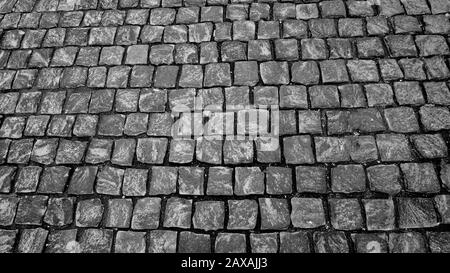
(88, 91)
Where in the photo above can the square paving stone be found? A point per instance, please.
(127, 100)
(82, 180)
(331, 149)
(7, 174)
(322, 28)
(309, 122)
(401, 120)
(101, 101)
(409, 242)
(32, 240)
(306, 73)
(313, 49)
(36, 125)
(348, 178)
(242, 214)
(264, 242)
(274, 213)
(237, 151)
(178, 213)
(274, 72)
(54, 179)
(363, 70)
(31, 210)
(146, 213)
(8, 240)
(162, 241)
(416, 213)
(190, 242)
(393, 147)
(99, 151)
(259, 50)
(59, 211)
(208, 150)
(298, 150)
(230, 243)
(152, 100)
(439, 242)
(61, 125)
(12, 127)
(191, 180)
(371, 243)
(220, 181)
(295, 29)
(330, 242)
(134, 182)
(334, 71)
(28, 179)
(44, 151)
(157, 146)
(109, 181)
(20, 151)
(307, 212)
(89, 213)
(279, 180)
(129, 242)
(324, 96)
(96, 240)
(345, 214)
(430, 145)
(136, 124)
(8, 205)
(311, 179)
(390, 70)
(294, 242)
(443, 206)
(208, 215)
(246, 73)
(384, 178)
(70, 152)
(420, 177)
(123, 152)
(380, 214)
(248, 180)
(118, 214)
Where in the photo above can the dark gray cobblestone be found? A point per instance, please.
(100, 100)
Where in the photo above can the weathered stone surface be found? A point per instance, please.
(416, 213)
(89, 213)
(330, 242)
(307, 212)
(248, 180)
(264, 243)
(230, 243)
(242, 214)
(59, 211)
(146, 213)
(162, 241)
(274, 213)
(345, 214)
(209, 215)
(371, 243)
(178, 213)
(119, 213)
(410, 242)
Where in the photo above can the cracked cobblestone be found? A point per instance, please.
(99, 110)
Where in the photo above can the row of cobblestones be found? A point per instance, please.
(125, 126)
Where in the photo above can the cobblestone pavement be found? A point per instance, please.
(89, 92)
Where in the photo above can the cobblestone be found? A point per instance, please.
(126, 126)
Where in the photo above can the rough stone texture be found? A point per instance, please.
(167, 126)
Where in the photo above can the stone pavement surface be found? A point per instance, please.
(89, 91)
